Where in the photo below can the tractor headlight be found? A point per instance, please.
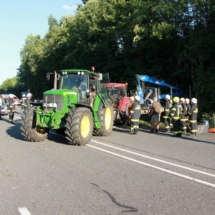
(52, 105)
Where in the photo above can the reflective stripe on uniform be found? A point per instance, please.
(134, 120)
(175, 117)
(166, 117)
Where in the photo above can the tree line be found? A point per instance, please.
(170, 40)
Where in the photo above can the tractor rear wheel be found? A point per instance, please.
(29, 129)
(106, 117)
(79, 126)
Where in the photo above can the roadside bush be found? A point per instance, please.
(210, 117)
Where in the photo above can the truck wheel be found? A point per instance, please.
(28, 128)
(106, 117)
(79, 126)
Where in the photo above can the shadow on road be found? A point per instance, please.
(187, 136)
(14, 131)
(58, 138)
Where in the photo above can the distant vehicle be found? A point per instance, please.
(3, 107)
(149, 87)
(118, 94)
(16, 100)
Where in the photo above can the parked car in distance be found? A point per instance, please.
(3, 107)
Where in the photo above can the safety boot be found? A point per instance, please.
(135, 131)
(131, 132)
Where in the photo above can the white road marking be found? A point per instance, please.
(156, 167)
(149, 165)
(161, 161)
(24, 211)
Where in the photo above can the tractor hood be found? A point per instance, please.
(57, 98)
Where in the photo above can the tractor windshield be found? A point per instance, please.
(70, 81)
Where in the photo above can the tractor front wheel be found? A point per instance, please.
(29, 129)
(79, 126)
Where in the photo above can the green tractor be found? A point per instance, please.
(77, 108)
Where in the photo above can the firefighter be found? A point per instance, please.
(27, 101)
(176, 115)
(166, 116)
(187, 102)
(135, 116)
(193, 116)
(11, 107)
(183, 115)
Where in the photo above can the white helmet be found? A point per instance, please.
(187, 100)
(137, 98)
(167, 96)
(182, 99)
(10, 95)
(194, 100)
(29, 95)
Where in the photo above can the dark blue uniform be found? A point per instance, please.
(193, 118)
(176, 115)
(166, 115)
(184, 117)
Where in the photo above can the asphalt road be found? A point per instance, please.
(119, 174)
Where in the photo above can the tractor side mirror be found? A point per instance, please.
(99, 76)
(48, 76)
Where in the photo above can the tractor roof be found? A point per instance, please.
(79, 70)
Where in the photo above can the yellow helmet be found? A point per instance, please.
(175, 99)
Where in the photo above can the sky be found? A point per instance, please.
(20, 18)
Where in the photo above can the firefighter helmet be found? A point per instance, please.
(182, 99)
(167, 96)
(187, 100)
(29, 95)
(175, 99)
(194, 100)
(137, 98)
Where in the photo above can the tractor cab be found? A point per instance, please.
(79, 83)
(116, 91)
(79, 86)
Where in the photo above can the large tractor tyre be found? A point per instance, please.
(29, 129)
(106, 117)
(79, 126)
(60, 131)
